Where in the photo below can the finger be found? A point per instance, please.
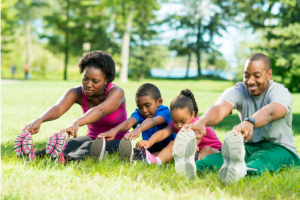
(248, 136)
(134, 137)
(129, 135)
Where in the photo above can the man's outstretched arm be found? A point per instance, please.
(267, 114)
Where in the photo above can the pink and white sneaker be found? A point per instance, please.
(55, 147)
(145, 156)
(23, 146)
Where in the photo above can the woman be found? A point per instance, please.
(103, 105)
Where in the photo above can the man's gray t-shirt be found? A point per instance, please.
(279, 131)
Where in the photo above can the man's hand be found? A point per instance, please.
(108, 135)
(245, 128)
(133, 134)
(143, 143)
(199, 128)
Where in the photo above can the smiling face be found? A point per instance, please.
(256, 77)
(93, 81)
(180, 117)
(147, 106)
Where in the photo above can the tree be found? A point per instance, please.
(201, 20)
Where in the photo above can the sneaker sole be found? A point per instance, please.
(23, 144)
(184, 152)
(98, 148)
(126, 150)
(233, 153)
(54, 145)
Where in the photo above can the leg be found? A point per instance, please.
(211, 162)
(112, 146)
(166, 154)
(205, 151)
(270, 157)
(78, 148)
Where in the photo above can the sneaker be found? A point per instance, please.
(98, 148)
(23, 146)
(184, 153)
(146, 156)
(138, 154)
(126, 150)
(233, 151)
(55, 147)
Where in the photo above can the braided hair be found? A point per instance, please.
(185, 99)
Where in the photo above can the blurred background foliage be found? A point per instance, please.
(51, 36)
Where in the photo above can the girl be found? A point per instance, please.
(103, 105)
(184, 110)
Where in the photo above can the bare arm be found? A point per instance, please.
(62, 105)
(145, 125)
(124, 126)
(267, 114)
(155, 138)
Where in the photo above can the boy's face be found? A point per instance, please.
(147, 106)
(180, 117)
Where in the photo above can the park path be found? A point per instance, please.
(10, 81)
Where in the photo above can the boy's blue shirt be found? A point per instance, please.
(161, 111)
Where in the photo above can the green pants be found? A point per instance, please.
(263, 156)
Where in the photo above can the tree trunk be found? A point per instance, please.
(28, 43)
(67, 40)
(125, 48)
(188, 64)
(198, 50)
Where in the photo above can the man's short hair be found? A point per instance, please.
(150, 90)
(265, 59)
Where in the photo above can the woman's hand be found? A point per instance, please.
(33, 127)
(108, 135)
(143, 143)
(71, 129)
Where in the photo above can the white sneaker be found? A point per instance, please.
(184, 153)
(98, 148)
(126, 150)
(233, 151)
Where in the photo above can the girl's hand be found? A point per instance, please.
(33, 127)
(133, 134)
(143, 143)
(108, 135)
(71, 129)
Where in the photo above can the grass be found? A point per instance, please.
(111, 179)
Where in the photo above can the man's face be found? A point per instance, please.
(256, 77)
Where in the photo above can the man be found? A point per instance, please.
(265, 110)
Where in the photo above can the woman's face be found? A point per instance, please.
(180, 117)
(93, 81)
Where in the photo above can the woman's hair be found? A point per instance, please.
(99, 60)
(185, 99)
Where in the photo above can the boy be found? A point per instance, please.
(152, 117)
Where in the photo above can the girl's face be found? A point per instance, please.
(181, 117)
(93, 81)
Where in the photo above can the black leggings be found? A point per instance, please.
(80, 147)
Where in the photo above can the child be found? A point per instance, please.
(183, 111)
(152, 117)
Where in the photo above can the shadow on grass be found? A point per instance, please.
(296, 124)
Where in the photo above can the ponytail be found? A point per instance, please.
(185, 99)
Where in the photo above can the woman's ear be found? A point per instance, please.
(106, 81)
(159, 101)
(193, 114)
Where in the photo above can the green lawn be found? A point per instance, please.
(111, 179)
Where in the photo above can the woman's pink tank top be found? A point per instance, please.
(107, 122)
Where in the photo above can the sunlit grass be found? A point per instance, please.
(111, 179)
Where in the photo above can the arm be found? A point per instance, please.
(267, 114)
(124, 126)
(114, 99)
(211, 117)
(62, 105)
(145, 125)
(155, 138)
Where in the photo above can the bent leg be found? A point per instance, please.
(112, 146)
(211, 162)
(270, 157)
(77, 148)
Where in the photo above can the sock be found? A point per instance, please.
(151, 157)
(158, 161)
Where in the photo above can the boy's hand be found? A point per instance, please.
(143, 143)
(108, 135)
(133, 134)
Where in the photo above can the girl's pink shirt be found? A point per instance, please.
(107, 122)
(210, 139)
